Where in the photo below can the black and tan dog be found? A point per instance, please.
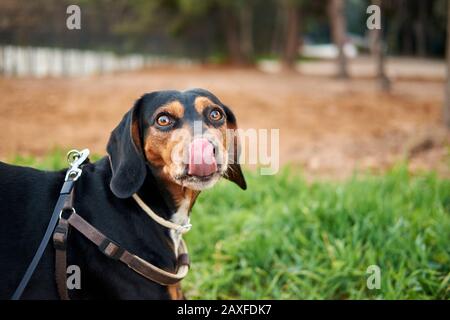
(142, 148)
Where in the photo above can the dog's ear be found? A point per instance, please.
(126, 155)
(234, 172)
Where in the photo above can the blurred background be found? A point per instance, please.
(347, 100)
(344, 96)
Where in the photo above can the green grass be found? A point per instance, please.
(54, 160)
(285, 238)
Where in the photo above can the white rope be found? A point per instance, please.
(181, 229)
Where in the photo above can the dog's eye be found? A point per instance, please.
(215, 115)
(164, 120)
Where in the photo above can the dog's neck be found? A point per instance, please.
(176, 204)
(177, 200)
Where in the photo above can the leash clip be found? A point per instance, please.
(75, 159)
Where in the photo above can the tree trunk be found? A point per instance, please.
(246, 23)
(406, 30)
(291, 40)
(277, 31)
(396, 23)
(420, 29)
(447, 89)
(231, 31)
(338, 31)
(379, 52)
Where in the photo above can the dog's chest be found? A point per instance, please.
(181, 217)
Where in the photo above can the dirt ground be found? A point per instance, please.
(330, 127)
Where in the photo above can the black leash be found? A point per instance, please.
(76, 160)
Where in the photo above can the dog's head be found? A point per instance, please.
(187, 138)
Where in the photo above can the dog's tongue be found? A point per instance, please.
(201, 158)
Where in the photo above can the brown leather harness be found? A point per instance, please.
(69, 218)
(112, 250)
(109, 248)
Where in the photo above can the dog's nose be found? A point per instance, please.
(202, 161)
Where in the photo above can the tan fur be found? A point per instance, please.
(201, 103)
(159, 145)
(175, 292)
(158, 148)
(135, 133)
(175, 108)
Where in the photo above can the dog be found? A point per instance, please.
(150, 153)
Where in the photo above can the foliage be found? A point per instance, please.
(285, 238)
(240, 29)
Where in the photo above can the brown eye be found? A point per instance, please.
(164, 120)
(215, 115)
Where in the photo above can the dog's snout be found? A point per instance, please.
(202, 160)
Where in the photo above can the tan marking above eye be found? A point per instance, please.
(174, 108)
(201, 103)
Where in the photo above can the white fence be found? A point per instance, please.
(54, 62)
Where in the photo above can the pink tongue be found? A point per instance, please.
(201, 158)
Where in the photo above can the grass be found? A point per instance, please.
(285, 238)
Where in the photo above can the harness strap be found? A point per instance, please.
(112, 250)
(60, 244)
(63, 195)
(76, 160)
(137, 264)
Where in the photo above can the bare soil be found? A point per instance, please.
(331, 127)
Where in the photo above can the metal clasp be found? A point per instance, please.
(75, 159)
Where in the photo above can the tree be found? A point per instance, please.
(246, 24)
(447, 98)
(336, 13)
(378, 51)
(235, 22)
(291, 41)
(420, 28)
(230, 25)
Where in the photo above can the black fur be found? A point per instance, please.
(127, 158)
(102, 197)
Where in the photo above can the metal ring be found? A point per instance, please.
(73, 174)
(61, 212)
(72, 156)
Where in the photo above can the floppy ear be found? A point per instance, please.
(126, 155)
(234, 172)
